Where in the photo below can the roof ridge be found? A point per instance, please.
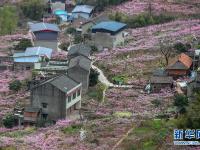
(72, 78)
(38, 49)
(44, 25)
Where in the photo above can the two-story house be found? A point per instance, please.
(79, 70)
(57, 97)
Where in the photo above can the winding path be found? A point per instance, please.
(102, 78)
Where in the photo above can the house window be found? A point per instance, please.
(28, 68)
(69, 99)
(74, 95)
(44, 105)
(78, 92)
(44, 116)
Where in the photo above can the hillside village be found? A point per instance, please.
(99, 74)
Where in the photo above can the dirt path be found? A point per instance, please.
(102, 78)
(122, 139)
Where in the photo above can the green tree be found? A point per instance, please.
(9, 121)
(78, 39)
(8, 19)
(193, 114)
(191, 119)
(33, 9)
(64, 46)
(181, 102)
(94, 48)
(23, 44)
(15, 85)
(180, 47)
(101, 88)
(70, 30)
(93, 77)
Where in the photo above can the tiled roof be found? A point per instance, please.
(79, 49)
(44, 26)
(186, 60)
(159, 72)
(64, 83)
(161, 79)
(112, 26)
(83, 9)
(182, 62)
(80, 61)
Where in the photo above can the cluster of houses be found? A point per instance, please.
(103, 32)
(58, 90)
(180, 75)
(57, 96)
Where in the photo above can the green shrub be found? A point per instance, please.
(141, 20)
(198, 46)
(70, 30)
(93, 77)
(94, 48)
(9, 121)
(15, 85)
(64, 46)
(120, 79)
(23, 44)
(180, 47)
(156, 102)
(181, 102)
(72, 129)
(8, 19)
(78, 39)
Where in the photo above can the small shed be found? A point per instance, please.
(158, 83)
(180, 67)
(31, 115)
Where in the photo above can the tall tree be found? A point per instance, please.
(166, 50)
(8, 19)
(193, 114)
(33, 9)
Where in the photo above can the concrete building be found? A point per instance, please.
(32, 58)
(57, 97)
(79, 70)
(84, 11)
(45, 35)
(108, 34)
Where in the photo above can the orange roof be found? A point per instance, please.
(185, 59)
